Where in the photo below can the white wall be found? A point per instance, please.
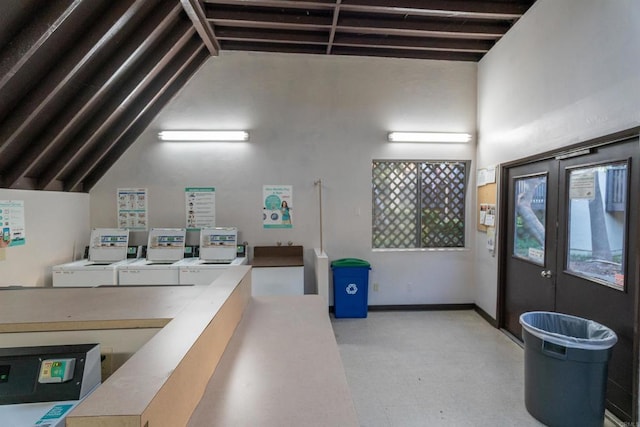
(310, 117)
(56, 225)
(568, 71)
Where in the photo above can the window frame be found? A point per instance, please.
(417, 216)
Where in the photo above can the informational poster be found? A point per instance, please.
(490, 219)
(13, 225)
(132, 209)
(486, 176)
(277, 206)
(488, 214)
(582, 185)
(483, 213)
(200, 207)
(481, 178)
(490, 175)
(536, 255)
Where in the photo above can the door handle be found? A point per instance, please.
(546, 274)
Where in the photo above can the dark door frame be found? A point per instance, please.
(503, 244)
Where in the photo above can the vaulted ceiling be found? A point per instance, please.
(81, 79)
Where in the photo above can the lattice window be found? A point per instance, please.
(418, 204)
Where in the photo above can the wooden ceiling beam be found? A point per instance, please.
(484, 9)
(128, 88)
(43, 28)
(274, 36)
(315, 49)
(264, 25)
(266, 16)
(165, 71)
(52, 101)
(162, 96)
(279, 4)
(32, 54)
(474, 9)
(195, 12)
(473, 28)
(334, 24)
(404, 53)
(412, 32)
(418, 43)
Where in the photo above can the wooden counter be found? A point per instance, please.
(220, 358)
(163, 382)
(72, 309)
(282, 367)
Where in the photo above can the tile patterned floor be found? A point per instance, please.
(433, 368)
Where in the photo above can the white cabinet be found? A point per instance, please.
(277, 270)
(277, 281)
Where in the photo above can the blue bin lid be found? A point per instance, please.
(350, 262)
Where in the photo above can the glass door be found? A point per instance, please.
(531, 246)
(572, 247)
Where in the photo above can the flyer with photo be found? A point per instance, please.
(277, 206)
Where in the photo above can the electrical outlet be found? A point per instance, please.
(106, 365)
(376, 287)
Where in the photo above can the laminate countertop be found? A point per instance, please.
(66, 309)
(282, 367)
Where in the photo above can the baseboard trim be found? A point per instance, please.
(416, 307)
(486, 316)
(432, 307)
(421, 307)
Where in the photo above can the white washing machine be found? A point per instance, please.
(218, 251)
(146, 272)
(85, 273)
(199, 272)
(108, 248)
(164, 250)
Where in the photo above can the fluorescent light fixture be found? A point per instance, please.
(429, 137)
(204, 135)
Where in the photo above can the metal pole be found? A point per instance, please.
(319, 184)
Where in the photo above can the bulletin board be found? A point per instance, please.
(487, 194)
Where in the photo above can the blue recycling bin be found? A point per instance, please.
(350, 287)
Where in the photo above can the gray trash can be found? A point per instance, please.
(565, 368)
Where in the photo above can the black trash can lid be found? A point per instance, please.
(568, 331)
(350, 262)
